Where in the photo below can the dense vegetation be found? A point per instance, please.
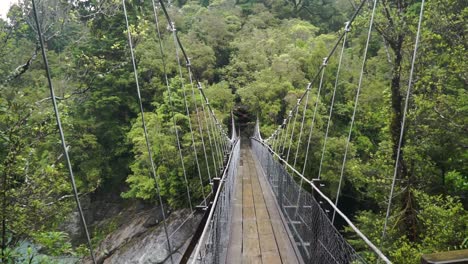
(258, 55)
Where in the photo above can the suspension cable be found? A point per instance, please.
(356, 101)
(302, 123)
(402, 131)
(286, 132)
(312, 125)
(332, 103)
(200, 127)
(279, 136)
(219, 150)
(332, 51)
(208, 130)
(62, 135)
(216, 133)
(212, 125)
(174, 33)
(145, 131)
(171, 105)
(181, 47)
(296, 113)
(276, 137)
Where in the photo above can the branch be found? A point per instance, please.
(64, 98)
(63, 198)
(449, 120)
(387, 13)
(20, 70)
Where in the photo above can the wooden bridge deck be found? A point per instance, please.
(258, 234)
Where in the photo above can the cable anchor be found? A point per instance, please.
(171, 27)
(347, 27)
(325, 61)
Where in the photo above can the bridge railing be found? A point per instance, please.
(213, 242)
(317, 239)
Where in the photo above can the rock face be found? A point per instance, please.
(141, 239)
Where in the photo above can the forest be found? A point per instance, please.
(250, 56)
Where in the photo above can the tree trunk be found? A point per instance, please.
(408, 222)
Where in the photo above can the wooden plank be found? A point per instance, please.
(250, 246)
(250, 229)
(251, 260)
(287, 252)
(235, 245)
(256, 235)
(264, 227)
(271, 258)
(248, 213)
(268, 243)
(262, 214)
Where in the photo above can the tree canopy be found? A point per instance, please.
(253, 55)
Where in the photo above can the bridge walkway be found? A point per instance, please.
(258, 234)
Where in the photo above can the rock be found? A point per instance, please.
(72, 226)
(142, 239)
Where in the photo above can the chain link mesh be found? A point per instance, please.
(316, 237)
(214, 247)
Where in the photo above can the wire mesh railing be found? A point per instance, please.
(316, 238)
(213, 243)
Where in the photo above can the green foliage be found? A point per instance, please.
(456, 182)
(54, 243)
(257, 56)
(437, 229)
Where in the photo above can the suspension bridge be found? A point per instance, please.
(262, 206)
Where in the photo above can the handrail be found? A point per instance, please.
(355, 229)
(215, 201)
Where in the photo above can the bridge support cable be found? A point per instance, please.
(184, 53)
(145, 131)
(301, 219)
(219, 136)
(402, 131)
(296, 113)
(217, 142)
(224, 138)
(61, 133)
(171, 105)
(312, 228)
(215, 172)
(200, 126)
(283, 144)
(275, 138)
(332, 51)
(356, 101)
(215, 132)
(332, 103)
(312, 126)
(302, 124)
(257, 133)
(279, 136)
(177, 46)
